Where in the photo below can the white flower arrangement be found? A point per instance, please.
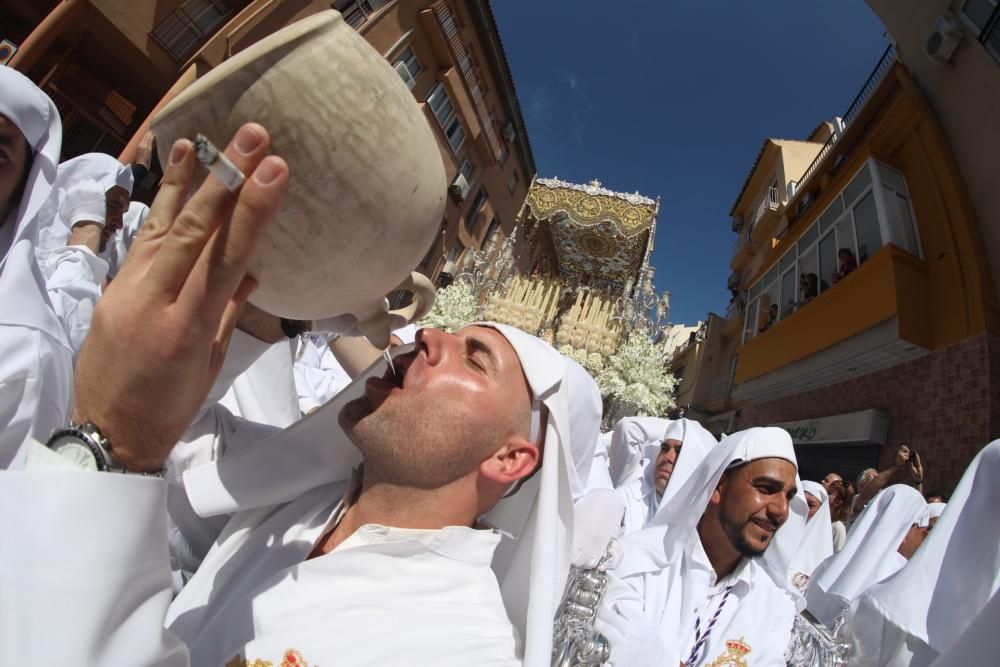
(636, 376)
(454, 307)
(592, 362)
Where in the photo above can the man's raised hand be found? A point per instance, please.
(159, 334)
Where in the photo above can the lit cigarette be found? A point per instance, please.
(218, 164)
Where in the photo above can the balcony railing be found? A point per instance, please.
(770, 202)
(852, 111)
(465, 66)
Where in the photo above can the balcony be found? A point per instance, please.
(768, 204)
(874, 318)
(357, 12)
(871, 84)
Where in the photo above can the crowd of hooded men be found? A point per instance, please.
(187, 483)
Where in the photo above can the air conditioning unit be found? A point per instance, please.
(459, 188)
(7, 51)
(508, 131)
(942, 42)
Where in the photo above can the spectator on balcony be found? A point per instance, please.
(809, 287)
(772, 317)
(848, 262)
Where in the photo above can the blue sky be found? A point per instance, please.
(674, 98)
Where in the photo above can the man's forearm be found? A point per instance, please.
(86, 234)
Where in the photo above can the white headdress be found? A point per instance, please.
(869, 555)
(951, 577)
(54, 227)
(817, 537)
(635, 445)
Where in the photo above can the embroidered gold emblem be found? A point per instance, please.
(293, 659)
(735, 655)
(239, 661)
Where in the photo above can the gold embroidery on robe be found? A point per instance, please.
(735, 655)
(238, 661)
(293, 659)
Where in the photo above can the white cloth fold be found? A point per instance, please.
(870, 554)
(923, 610)
(817, 539)
(36, 362)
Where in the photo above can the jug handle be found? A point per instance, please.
(423, 297)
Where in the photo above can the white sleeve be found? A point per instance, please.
(215, 434)
(76, 276)
(84, 570)
(635, 640)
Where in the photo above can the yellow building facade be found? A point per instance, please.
(864, 307)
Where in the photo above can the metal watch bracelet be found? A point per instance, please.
(100, 447)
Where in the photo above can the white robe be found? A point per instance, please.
(666, 582)
(36, 362)
(384, 597)
(870, 554)
(924, 609)
(757, 613)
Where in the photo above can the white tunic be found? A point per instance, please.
(36, 362)
(384, 597)
(660, 610)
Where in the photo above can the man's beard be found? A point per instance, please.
(735, 532)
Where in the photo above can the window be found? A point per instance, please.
(408, 67)
(984, 16)
(186, 28)
(467, 169)
(512, 182)
(504, 154)
(873, 210)
(455, 252)
(443, 110)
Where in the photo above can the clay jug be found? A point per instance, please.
(367, 188)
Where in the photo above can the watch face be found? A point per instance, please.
(72, 449)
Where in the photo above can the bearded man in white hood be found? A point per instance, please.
(395, 565)
(707, 582)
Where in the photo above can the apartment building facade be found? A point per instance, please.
(864, 311)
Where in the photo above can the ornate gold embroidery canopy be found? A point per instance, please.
(594, 230)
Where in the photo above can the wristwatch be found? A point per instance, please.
(85, 445)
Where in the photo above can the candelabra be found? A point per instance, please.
(640, 308)
(489, 270)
